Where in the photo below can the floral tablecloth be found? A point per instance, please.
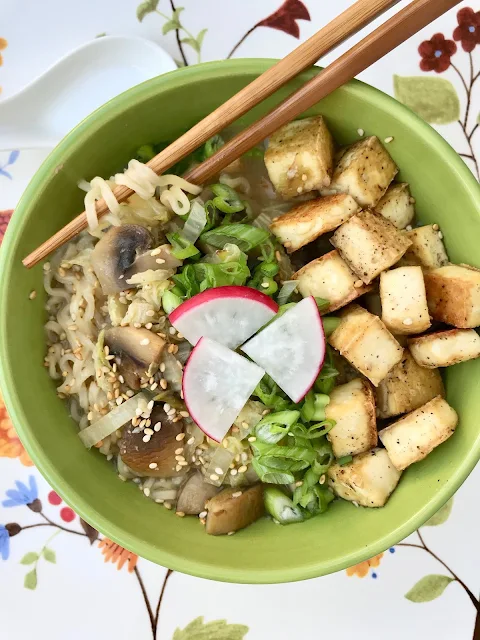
(61, 579)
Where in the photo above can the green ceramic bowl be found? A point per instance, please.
(161, 109)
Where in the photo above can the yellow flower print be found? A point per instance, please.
(362, 569)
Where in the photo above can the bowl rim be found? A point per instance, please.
(74, 139)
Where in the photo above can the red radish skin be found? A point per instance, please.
(222, 381)
(229, 315)
(277, 358)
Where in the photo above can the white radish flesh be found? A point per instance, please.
(229, 315)
(291, 349)
(217, 383)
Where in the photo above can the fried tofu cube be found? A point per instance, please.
(299, 157)
(363, 340)
(445, 348)
(414, 436)
(352, 406)
(364, 171)
(397, 205)
(368, 480)
(331, 278)
(308, 221)
(369, 244)
(453, 295)
(407, 387)
(404, 300)
(427, 249)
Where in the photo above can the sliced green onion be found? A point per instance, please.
(212, 146)
(145, 153)
(313, 409)
(330, 324)
(182, 248)
(170, 302)
(275, 426)
(113, 420)
(270, 475)
(281, 507)
(196, 222)
(245, 236)
(322, 304)
(344, 460)
(270, 394)
(286, 291)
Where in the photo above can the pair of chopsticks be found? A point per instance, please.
(417, 15)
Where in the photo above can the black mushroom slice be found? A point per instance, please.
(194, 495)
(157, 456)
(234, 509)
(139, 352)
(159, 258)
(116, 252)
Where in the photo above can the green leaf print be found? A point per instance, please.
(49, 555)
(441, 516)
(215, 630)
(428, 588)
(143, 9)
(30, 581)
(433, 99)
(29, 558)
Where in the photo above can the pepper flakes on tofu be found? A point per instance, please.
(445, 348)
(299, 157)
(453, 294)
(427, 248)
(308, 221)
(329, 277)
(369, 244)
(417, 434)
(404, 300)
(364, 171)
(396, 205)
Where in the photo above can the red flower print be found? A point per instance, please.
(436, 53)
(284, 19)
(468, 30)
(4, 220)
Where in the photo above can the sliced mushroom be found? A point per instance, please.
(234, 509)
(160, 258)
(139, 350)
(116, 252)
(194, 495)
(156, 457)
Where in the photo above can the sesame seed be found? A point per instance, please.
(146, 438)
(184, 414)
(148, 432)
(358, 284)
(166, 407)
(412, 200)
(322, 479)
(167, 505)
(435, 227)
(171, 413)
(33, 295)
(90, 416)
(242, 469)
(46, 266)
(361, 132)
(180, 514)
(180, 335)
(355, 504)
(137, 325)
(299, 483)
(119, 401)
(156, 252)
(245, 425)
(440, 235)
(180, 436)
(219, 470)
(160, 261)
(389, 139)
(230, 533)
(157, 427)
(214, 477)
(154, 386)
(146, 491)
(299, 189)
(150, 405)
(408, 322)
(304, 177)
(153, 465)
(172, 331)
(191, 440)
(237, 494)
(203, 514)
(162, 367)
(408, 227)
(150, 313)
(178, 451)
(184, 463)
(251, 439)
(148, 326)
(122, 380)
(145, 341)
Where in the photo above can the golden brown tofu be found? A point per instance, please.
(299, 157)
(445, 348)
(364, 171)
(368, 480)
(407, 387)
(427, 249)
(352, 406)
(366, 343)
(330, 277)
(397, 205)
(404, 300)
(369, 244)
(308, 221)
(414, 436)
(453, 295)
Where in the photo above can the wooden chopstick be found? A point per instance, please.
(328, 38)
(389, 35)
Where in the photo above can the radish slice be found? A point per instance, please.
(291, 349)
(229, 315)
(216, 385)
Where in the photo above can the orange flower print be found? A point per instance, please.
(118, 555)
(362, 569)
(3, 45)
(10, 445)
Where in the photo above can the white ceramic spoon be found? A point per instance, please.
(40, 115)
